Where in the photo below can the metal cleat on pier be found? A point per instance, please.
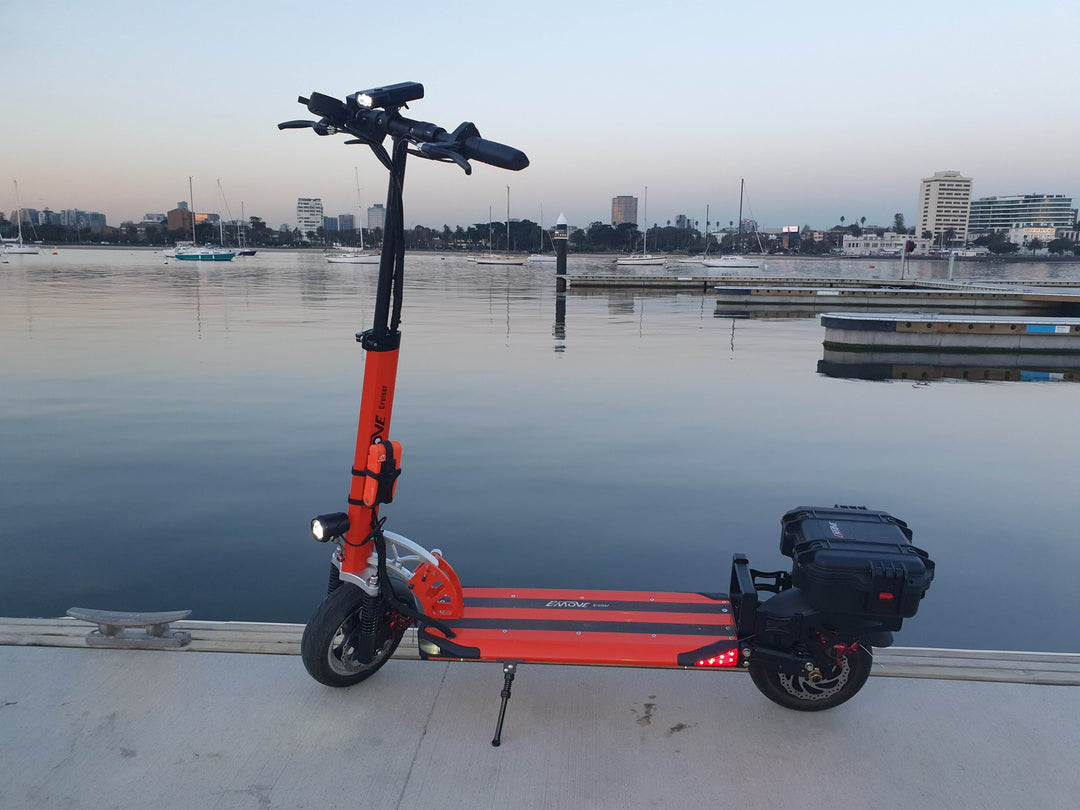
(120, 629)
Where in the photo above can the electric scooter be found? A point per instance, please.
(805, 635)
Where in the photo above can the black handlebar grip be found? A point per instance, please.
(495, 154)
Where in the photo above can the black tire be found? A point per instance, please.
(331, 638)
(800, 693)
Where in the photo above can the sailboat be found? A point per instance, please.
(244, 250)
(209, 253)
(356, 256)
(644, 257)
(17, 246)
(731, 260)
(496, 258)
(541, 256)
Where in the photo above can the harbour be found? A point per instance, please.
(211, 407)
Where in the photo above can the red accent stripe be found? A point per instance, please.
(603, 615)
(594, 596)
(544, 646)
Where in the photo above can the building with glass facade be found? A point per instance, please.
(623, 209)
(1000, 214)
(376, 216)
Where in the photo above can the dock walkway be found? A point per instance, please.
(90, 728)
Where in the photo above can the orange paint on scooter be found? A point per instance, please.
(380, 378)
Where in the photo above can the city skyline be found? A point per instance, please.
(824, 113)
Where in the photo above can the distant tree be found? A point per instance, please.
(1058, 246)
(1035, 244)
(862, 221)
(927, 235)
(855, 230)
(997, 243)
(898, 223)
(841, 222)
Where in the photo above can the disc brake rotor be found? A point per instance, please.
(803, 689)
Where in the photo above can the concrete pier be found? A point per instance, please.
(90, 728)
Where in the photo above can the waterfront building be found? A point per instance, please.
(1000, 214)
(309, 215)
(944, 206)
(888, 244)
(1026, 233)
(682, 222)
(346, 222)
(329, 224)
(623, 210)
(376, 216)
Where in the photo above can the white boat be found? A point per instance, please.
(498, 258)
(643, 258)
(732, 261)
(16, 246)
(541, 256)
(209, 253)
(353, 258)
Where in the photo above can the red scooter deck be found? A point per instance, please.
(619, 628)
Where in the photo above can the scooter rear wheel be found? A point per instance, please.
(802, 694)
(333, 637)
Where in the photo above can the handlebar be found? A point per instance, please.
(371, 124)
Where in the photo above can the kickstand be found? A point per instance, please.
(509, 670)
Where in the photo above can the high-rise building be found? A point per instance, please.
(309, 215)
(944, 205)
(376, 216)
(346, 222)
(329, 224)
(1020, 211)
(623, 209)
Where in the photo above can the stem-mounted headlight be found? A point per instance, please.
(328, 526)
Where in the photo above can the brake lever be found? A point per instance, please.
(321, 127)
(441, 152)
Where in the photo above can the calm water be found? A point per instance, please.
(167, 431)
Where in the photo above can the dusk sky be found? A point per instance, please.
(826, 109)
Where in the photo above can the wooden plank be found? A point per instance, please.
(1001, 666)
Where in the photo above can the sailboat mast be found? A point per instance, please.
(359, 209)
(741, 181)
(18, 211)
(191, 200)
(645, 221)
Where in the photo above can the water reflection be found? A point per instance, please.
(168, 431)
(971, 367)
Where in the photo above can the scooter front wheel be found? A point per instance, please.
(838, 684)
(341, 646)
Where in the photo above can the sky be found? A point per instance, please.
(825, 109)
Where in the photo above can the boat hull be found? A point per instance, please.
(205, 257)
(365, 259)
(641, 260)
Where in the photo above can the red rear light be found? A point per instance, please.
(885, 596)
(724, 659)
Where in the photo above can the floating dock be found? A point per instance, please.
(929, 332)
(177, 729)
(923, 346)
(732, 300)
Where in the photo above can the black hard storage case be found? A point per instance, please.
(855, 561)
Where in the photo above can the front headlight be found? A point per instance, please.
(328, 526)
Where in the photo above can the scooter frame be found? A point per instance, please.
(380, 581)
